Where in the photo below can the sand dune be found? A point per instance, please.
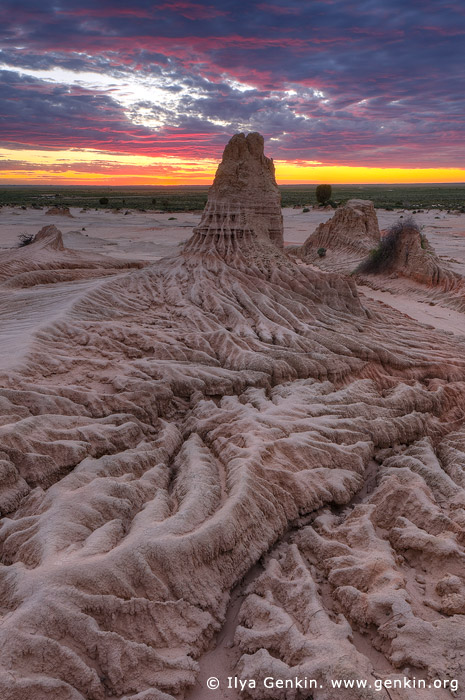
(171, 426)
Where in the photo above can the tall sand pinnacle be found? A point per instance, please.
(244, 199)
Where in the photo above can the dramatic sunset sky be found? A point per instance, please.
(140, 92)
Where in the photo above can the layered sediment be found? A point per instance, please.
(407, 256)
(244, 202)
(346, 238)
(45, 260)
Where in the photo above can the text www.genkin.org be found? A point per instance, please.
(304, 683)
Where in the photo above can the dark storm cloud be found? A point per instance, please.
(35, 114)
(368, 83)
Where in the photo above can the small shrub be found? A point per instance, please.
(305, 210)
(103, 201)
(323, 193)
(380, 258)
(25, 239)
(321, 252)
(171, 218)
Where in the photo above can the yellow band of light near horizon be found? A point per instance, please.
(85, 166)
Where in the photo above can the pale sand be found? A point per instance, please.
(149, 236)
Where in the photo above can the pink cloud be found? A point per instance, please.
(192, 10)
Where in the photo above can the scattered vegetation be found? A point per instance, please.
(305, 210)
(25, 239)
(323, 194)
(381, 258)
(103, 201)
(321, 252)
(193, 197)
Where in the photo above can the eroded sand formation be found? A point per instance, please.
(411, 266)
(46, 260)
(180, 420)
(59, 210)
(347, 237)
(411, 258)
(244, 200)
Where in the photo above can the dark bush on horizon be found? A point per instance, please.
(103, 201)
(323, 193)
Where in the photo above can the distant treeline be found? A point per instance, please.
(193, 198)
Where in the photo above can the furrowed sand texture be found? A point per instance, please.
(400, 262)
(347, 236)
(176, 424)
(408, 256)
(46, 260)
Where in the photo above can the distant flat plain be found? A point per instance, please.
(194, 197)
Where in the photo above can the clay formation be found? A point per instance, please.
(347, 237)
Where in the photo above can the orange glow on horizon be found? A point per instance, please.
(295, 173)
(87, 167)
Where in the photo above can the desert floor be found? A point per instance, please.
(121, 384)
(149, 236)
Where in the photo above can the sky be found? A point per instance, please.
(142, 93)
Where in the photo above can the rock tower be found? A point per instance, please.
(244, 202)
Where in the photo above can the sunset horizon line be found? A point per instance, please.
(209, 183)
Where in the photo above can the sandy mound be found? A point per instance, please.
(59, 211)
(347, 237)
(175, 424)
(404, 253)
(49, 237)
(45, 260)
